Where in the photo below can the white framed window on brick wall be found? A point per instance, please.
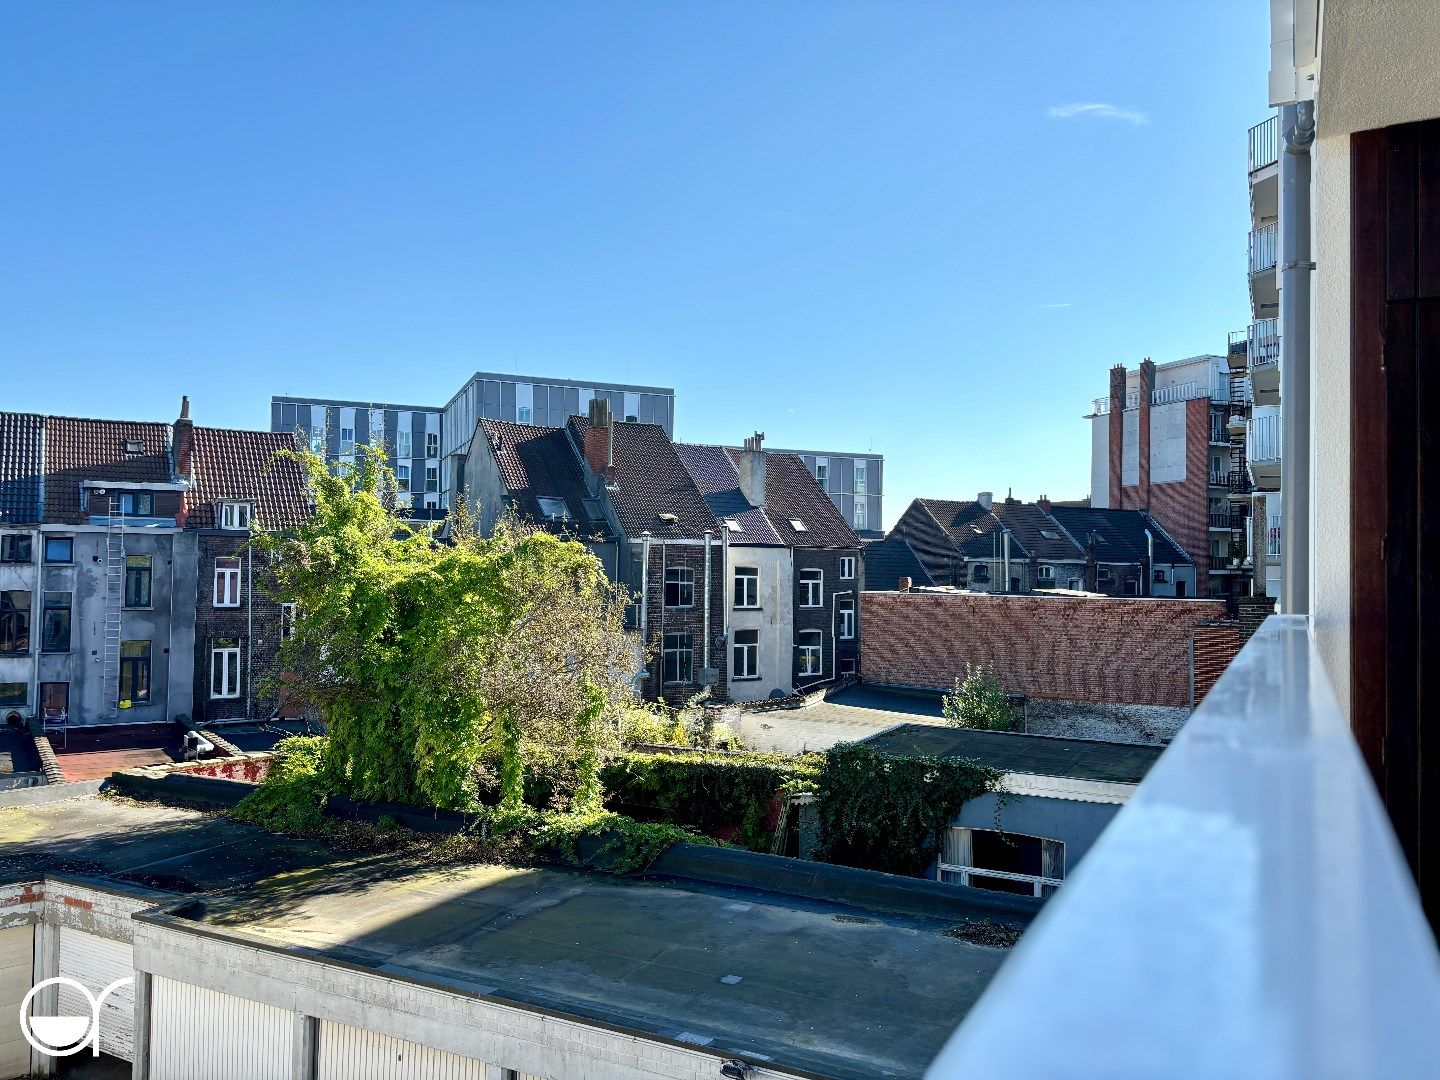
(846, 630)
(679, 587)
(225, 668)
(809, 652)
(812, 588)
(745, 657)
(847, 567)
(677, 656)
(227, 582)
(235, 515)
(1046, 573)
(747, 587)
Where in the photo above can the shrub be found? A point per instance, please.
(888, 813)
(291, 798)
(979, 701)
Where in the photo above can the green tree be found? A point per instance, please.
(424, 655)
(979, 701)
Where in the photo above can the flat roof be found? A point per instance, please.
(349, 403)
(1042, 755)
(550, 380)
(828, 453)
(812, 986)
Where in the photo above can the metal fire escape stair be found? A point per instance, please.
(114, 607)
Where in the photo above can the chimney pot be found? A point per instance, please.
(751, 467)
(904, 584)
(986, 499)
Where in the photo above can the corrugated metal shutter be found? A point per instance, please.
(351, 1053)
(199, 1034)
(96, 962)
(16, 971)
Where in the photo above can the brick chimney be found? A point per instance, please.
(600, 437)
(1117, 430)
(751, 466)
(1147, 389)
(184, 446)
(1044, 503)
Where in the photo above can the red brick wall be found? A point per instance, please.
(1215, 646)
(1183, 508)
(1114, 651)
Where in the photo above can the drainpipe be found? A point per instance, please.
(645, 592)
(249, 624)
(705, 643)
(1149, 562)
(1298, 124)
(1005, 544)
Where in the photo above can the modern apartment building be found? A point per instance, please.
(1169, 439)
(854, 483)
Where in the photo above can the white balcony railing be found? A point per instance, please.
(1265, 143)
(1247, 913)
(1180, 392)
(1262, 439)
(1263, 248)
(1100, 406)
(1272, 535)
(1264, 342)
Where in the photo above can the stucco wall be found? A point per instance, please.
(1078, 824)
(773, 619)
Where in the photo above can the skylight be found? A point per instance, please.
(132, 446)
(667, 518)
(798, 525)
(734, 525)
(553, 508)
(1049, 534)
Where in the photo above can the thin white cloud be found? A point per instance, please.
(1066, 304)
(1096, 110)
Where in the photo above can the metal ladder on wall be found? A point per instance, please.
(114, 607)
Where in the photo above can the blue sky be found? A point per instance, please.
(922, 228)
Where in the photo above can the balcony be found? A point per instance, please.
(1239, 486)
(1264, 282)
(1265, 144)
(1263, 350)
(1272, 537)
(1219, 479)
(1228, 522)
(1262, 450)
(1179, 392)
(1249, 908)
(1265, 170)
(1235, 347)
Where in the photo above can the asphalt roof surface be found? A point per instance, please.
(1042, 755)
(844, 995)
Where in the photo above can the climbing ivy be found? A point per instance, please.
(888, 813)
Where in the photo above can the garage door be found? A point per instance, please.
(96, 962)
(16, 971)
(350, 1053)
(199, 1034)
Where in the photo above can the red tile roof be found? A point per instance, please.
(792, 493)
(77, 450)
(539, 462)
(247, 465)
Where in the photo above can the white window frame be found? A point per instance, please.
(684, 576)
(847, 568)
(958, 845)
(317, 442)
(1041, 572)
(811, 657)
(822, 472)
(432, 444)
(747, 581)
(402, 477)
(745, 656)
(227, 657)
(227, 577)
(524, 414)
(236, 515)
(287, 621)
(846, 617)
(678, 651)
(862, 479)
(812, 587)
(347, 441)
(432, 479)
(403, 444)
(861, 516)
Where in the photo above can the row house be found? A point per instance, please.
(108, 573)
(1009, 546)
(744, 575)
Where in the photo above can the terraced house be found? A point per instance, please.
(102, 528)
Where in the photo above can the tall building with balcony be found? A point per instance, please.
(1165, 440)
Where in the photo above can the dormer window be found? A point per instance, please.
(235, 515)
(553, 508)
(132, 446)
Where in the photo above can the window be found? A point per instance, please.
(377, 427)
(677, 658)
(847, 567)
(402, 477)
(15, 547)
(235, 516)
(225, 668)
(679, 587)
(807, 650)
(811, 591)
(14, 621)
(347, 440)
(1002, 862)
(733, 524)
(54, 701)
(847, 665)
(554, 509)
(979, 573)
(860, 514)
(822, 471)
(1105, 575)
(1160, 575)
(747, 587)
(746, 655)
(432, 478)
(137, 581)
(132, 446)
(1050, 534)
(59, 549)
(847, 619)
(1046, 573)
(432, 444)
(317, 442)
(1076, 584)
(227, 582)
(134, 503)
(287, 621)
(135, 671)
(861, 478)
(523, 414)
(14, 693)
(55, 623)
(402, 444)
(798, 525)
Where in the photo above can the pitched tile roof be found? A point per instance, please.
(1038, 533)
(650, 480)
(792, 493)
(956, 517)
(714, 473)
(233, 464)
(21, 456)
(540, 462)
(1119, 534)
(888, 560)
(77, 450)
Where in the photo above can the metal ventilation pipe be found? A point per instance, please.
(1297, 122)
